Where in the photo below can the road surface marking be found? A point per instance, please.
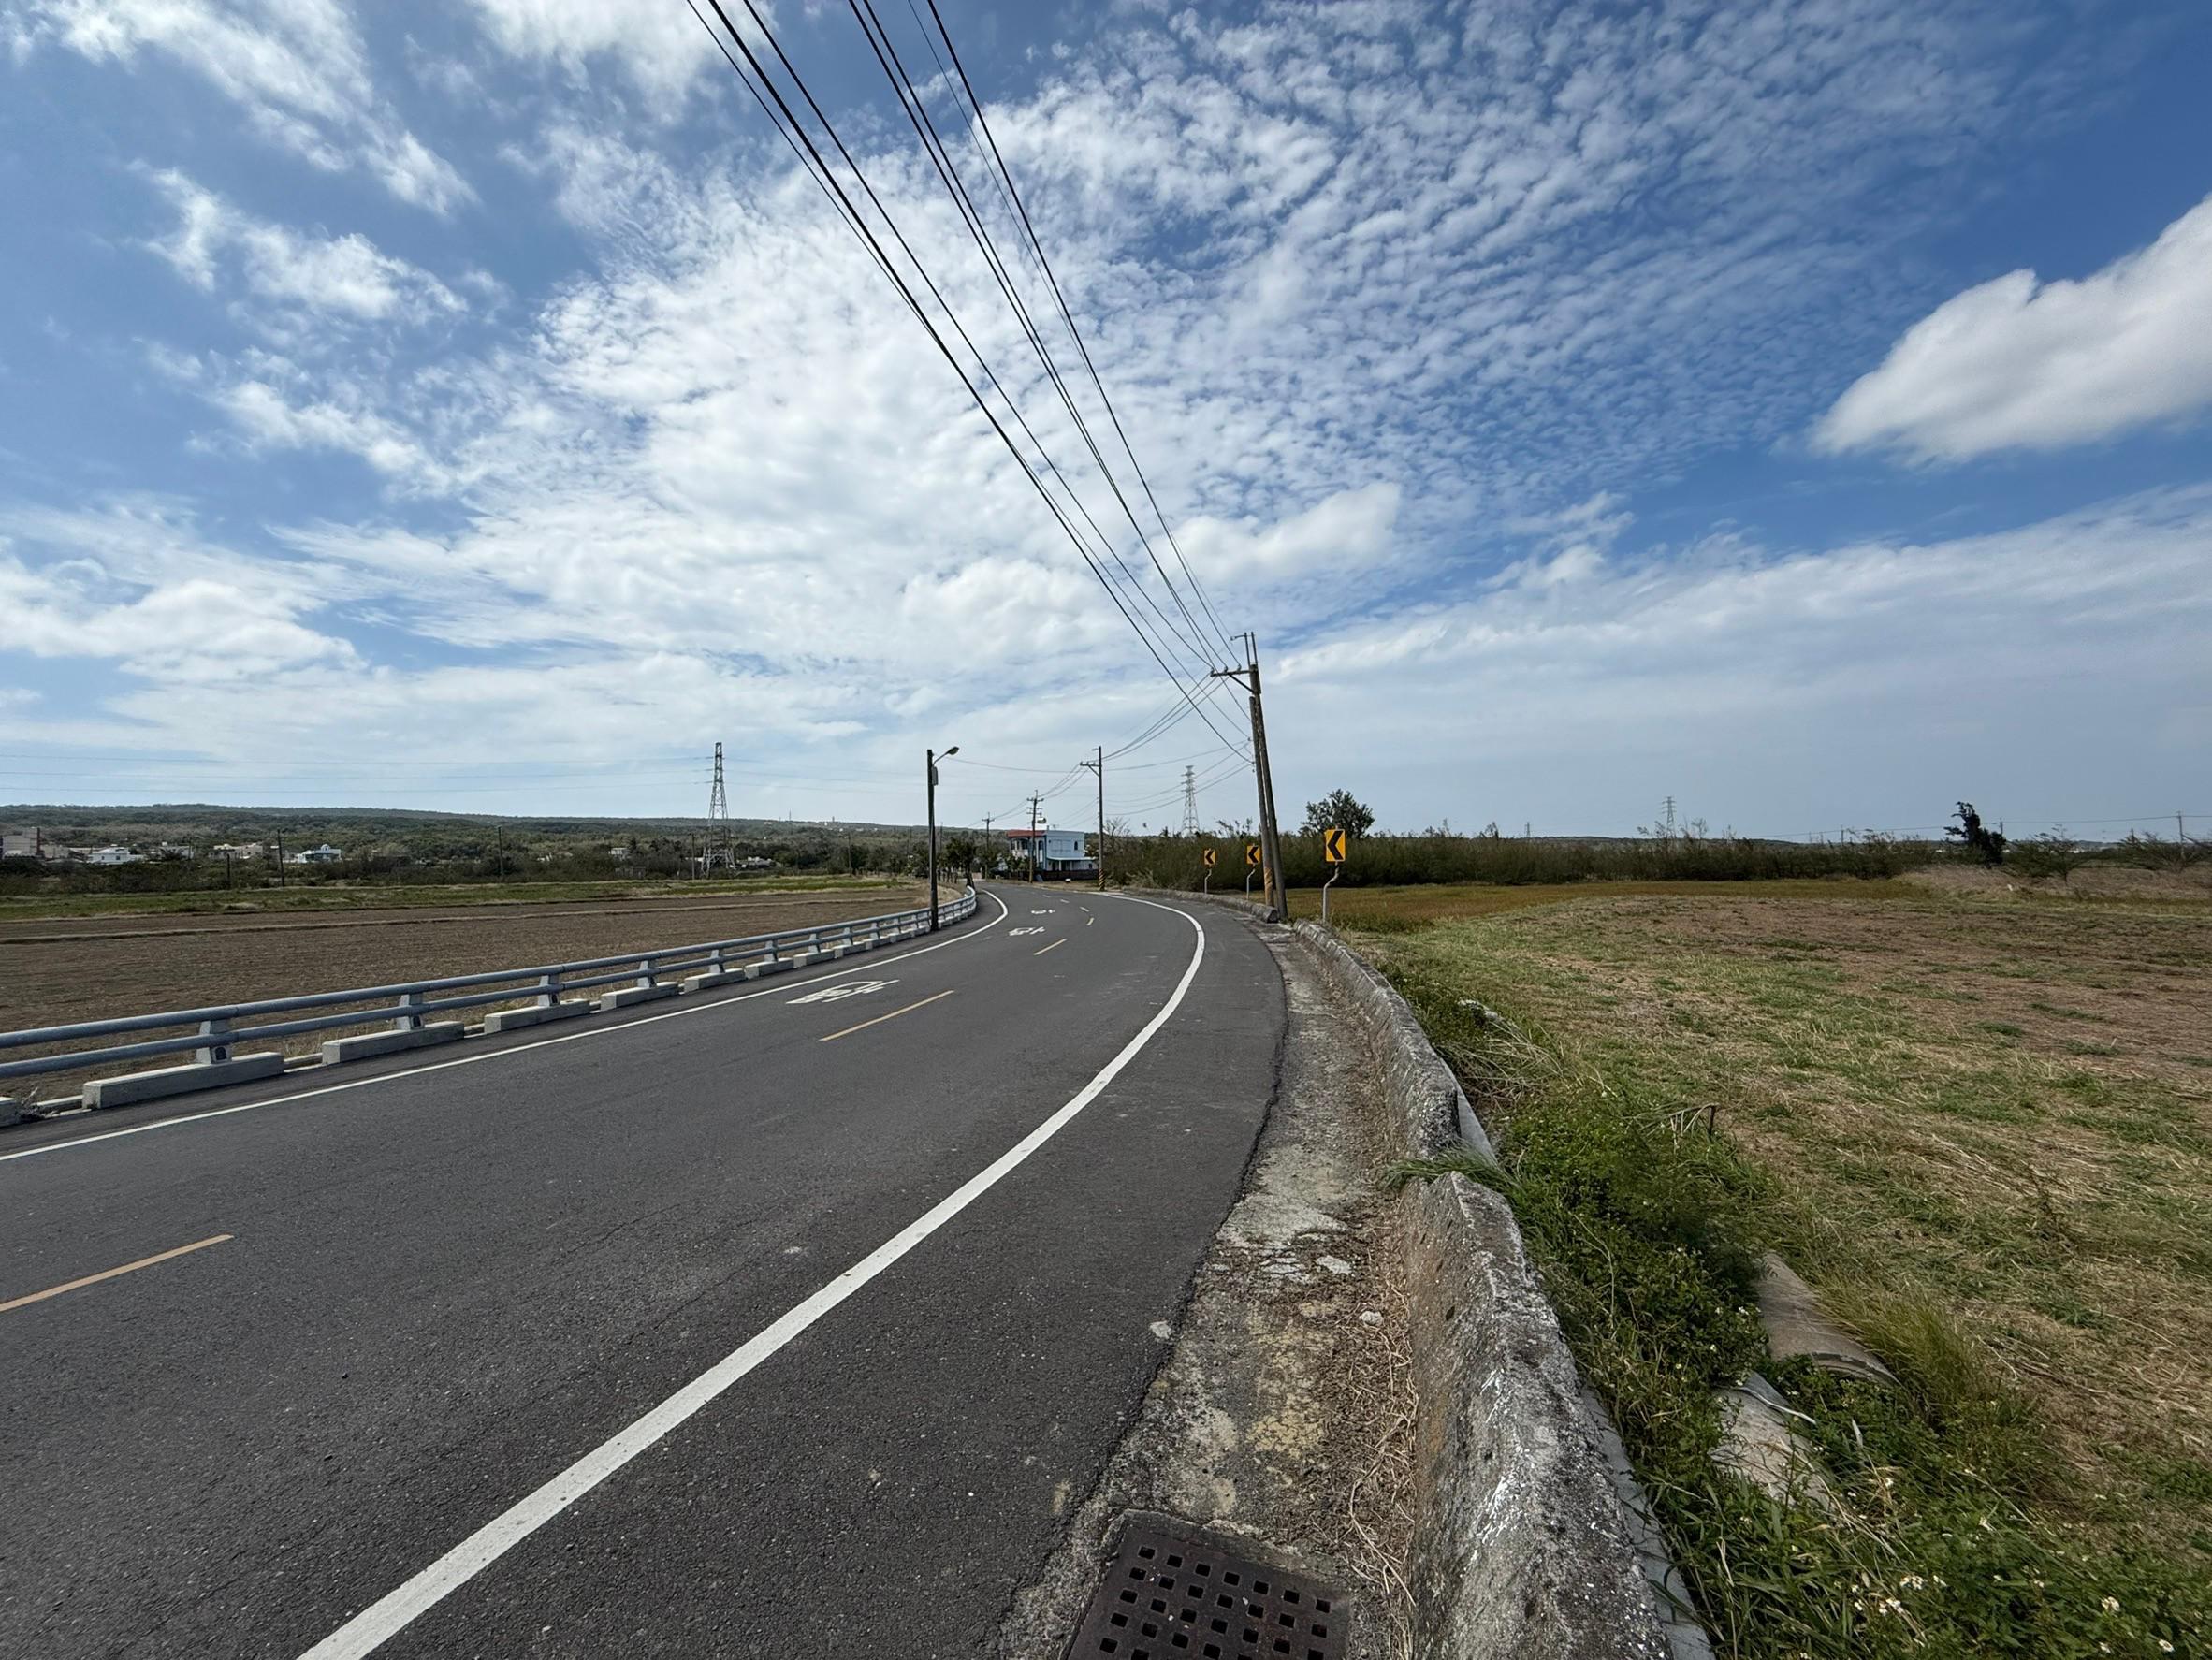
(466, 1060)
(1017, 933)
(851, 988)
(384, 1619)
(1088, 921)
(1053, 946)
(93, 1279)
(892, 1015)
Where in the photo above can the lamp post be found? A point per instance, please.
(933, 758)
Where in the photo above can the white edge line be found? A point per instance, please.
(390, 1614)
(840, 972)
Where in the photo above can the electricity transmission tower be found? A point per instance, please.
(719, 849)
(1190, 823)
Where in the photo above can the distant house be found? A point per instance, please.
(112, 855)
(175, 850)
(618, 853)
(20, 844)
(326, 854)
(1059, 852)
(238, 850)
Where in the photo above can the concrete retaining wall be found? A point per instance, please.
(1521, 1543)
(1529, 1535)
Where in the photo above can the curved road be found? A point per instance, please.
(789, 1321)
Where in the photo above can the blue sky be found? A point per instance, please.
(1800, 409)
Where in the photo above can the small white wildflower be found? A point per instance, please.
(2110, 1605)
(1911, 1582)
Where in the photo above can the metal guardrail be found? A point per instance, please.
(217, 1031)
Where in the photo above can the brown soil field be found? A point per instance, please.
(66, 969)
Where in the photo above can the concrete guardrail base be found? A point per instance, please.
(721, 977)
(514, 1020)
(147, 1086)
(374, 1043)
(622, 996)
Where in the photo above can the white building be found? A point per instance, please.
(112, 855)
(326, 854)
(1059, 852)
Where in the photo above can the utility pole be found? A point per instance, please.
(1278, 896)
(931, 755)
(1098, 766)
(280, 847)
(1190, 823)
(1033, 801)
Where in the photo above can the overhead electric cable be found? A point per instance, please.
(857, 222)
(948, 172)
(1045, 261)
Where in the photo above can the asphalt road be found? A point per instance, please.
(730, 1326)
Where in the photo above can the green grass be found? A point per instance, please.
(336, 896)
(2022, 1232)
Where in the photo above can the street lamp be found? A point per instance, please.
(933, 759)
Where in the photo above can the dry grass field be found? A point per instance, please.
(1981, 1123)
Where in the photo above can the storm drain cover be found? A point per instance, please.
(1173, 1592)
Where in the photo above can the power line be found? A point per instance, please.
(948, 172)
(854, 221)
(1059, 295)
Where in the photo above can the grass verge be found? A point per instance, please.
(1899, 1097)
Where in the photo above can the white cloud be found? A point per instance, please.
(2059, 666)
(295, 67)
(1380, 327)
(2017, 364)
(136, 587)
(661, 47)
(343, 276)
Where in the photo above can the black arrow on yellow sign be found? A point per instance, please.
(1332, 846)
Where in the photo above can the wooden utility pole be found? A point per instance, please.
(1271, 844)
(1098, 766)
(1033, 802)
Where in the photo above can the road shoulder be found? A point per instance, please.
(1280, 1413)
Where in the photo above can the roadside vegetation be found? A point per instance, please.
(1981, 1128)
(1438, 856)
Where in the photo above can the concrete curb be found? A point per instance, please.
(1522, 1544)
(1528, 1537)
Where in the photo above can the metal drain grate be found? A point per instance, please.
(1174, 1591)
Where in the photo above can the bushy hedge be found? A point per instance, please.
(1177, 860)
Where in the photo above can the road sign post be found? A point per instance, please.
(1251, 866)
(1206, 881)
(1332, 849)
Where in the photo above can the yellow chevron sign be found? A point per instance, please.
(1209, 858)
(1251, 853)
(1332, 846)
